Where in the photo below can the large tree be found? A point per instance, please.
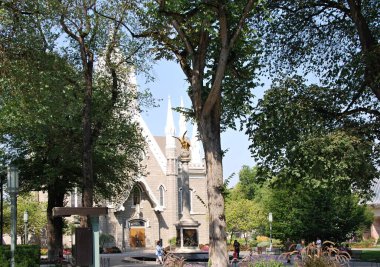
(40, 130)
(338, 40)
(41, 114)
(215, 49)
(306, 212)
(299, 133)
(244, 216)
(92, 34)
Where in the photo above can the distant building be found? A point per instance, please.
(150, 211)
(374, 204)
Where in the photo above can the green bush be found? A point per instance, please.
(252, 243)
(106, 239)
(263, 244)
(363, 244)
(370, 255)
(264, 263)
(26, 256)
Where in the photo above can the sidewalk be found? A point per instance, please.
(128, 259)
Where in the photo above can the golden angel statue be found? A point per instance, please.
(184, 143)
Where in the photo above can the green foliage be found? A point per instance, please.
(26, 256)
(300, 135)
(41, 125)
(105, 239)
(244, 215)
(324, 38)
(200, 28)
(173, 241)
(36, 211)
(263, 263)
(370, 255)
(248, 181)
(308, 213)
(217, 53)
(367, 243)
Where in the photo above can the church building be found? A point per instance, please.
(155, 208)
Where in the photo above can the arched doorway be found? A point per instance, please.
(137, 233)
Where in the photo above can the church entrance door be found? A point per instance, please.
(137, 237)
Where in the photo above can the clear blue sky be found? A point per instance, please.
(170, 81)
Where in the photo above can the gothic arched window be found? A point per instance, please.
(136, 196)
(162, 195)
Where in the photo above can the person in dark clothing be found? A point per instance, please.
(236, 248)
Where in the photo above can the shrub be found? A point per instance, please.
(262, 238)
(270, 263)
(26, 256)
(327, 256)
(106, 239)
(44, 251)
(363, 244)
(252, 243)
(263, 244)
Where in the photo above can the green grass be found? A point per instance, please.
(370, 255)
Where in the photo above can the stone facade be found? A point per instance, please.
(152, 209)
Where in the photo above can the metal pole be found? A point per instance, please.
(25, 233)
(13, 227)
(95, 234)
(270, 247)
(270, 219)
(26, 219)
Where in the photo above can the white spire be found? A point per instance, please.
(169, 128)
(196, 146)
(182, 121)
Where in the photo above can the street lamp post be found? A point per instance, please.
(26, 217)
(270, 219)
(13, 190)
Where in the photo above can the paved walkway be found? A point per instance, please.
(127, 259)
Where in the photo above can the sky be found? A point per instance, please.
(170, 81)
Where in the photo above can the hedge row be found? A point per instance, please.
(26, 256)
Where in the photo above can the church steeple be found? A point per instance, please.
(170, 151)
(170, 128)
(182, 121)
(196, 146)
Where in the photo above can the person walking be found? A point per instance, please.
(236, 248)
(159, 253)
(288, 247)
(319, 246)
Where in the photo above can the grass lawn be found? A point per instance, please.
(370, 255)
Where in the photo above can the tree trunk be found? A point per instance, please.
(210, 132)
(54, 224)
(88, 182)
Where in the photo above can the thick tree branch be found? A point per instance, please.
(345, 113)
(242, 20)
(226, 45)
(189, 47)
(66, 29)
